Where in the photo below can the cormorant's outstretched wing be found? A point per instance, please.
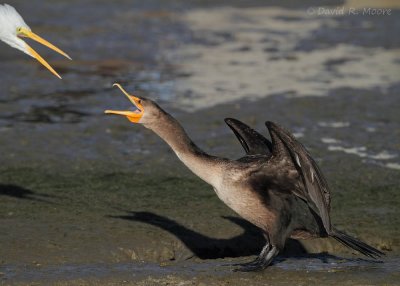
(252, 141)
(317, 189)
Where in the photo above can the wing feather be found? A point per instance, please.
(252, 142)
(316, 186)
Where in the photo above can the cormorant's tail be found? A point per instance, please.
(356, 244)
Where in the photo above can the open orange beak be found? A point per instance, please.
(133, 116)
(23, 32)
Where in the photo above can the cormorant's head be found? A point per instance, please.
(146, 112)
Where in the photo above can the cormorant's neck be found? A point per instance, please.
(207, 167)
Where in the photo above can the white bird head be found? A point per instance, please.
(13, 27)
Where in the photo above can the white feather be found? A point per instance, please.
(10, 21)
(298, 160)
(312, 175)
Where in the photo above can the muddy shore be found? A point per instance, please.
(87, 199)
(156, 216)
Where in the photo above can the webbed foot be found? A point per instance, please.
(261, 262)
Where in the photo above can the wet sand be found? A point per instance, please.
(87, 199)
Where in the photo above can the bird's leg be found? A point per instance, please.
(262, 261)
(260, 257)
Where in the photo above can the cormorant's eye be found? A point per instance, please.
(140, 101)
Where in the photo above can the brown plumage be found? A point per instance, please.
(277, 186)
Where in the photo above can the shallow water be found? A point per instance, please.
(332, 80)
(166, 51)
(356, 270)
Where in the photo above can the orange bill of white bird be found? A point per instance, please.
(24, 32)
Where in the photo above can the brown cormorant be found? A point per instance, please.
(277, 186)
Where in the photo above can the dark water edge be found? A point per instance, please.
(304, 271)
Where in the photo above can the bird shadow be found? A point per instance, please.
(249, 242)
(22, 193)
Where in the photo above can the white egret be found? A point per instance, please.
(12, 27)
